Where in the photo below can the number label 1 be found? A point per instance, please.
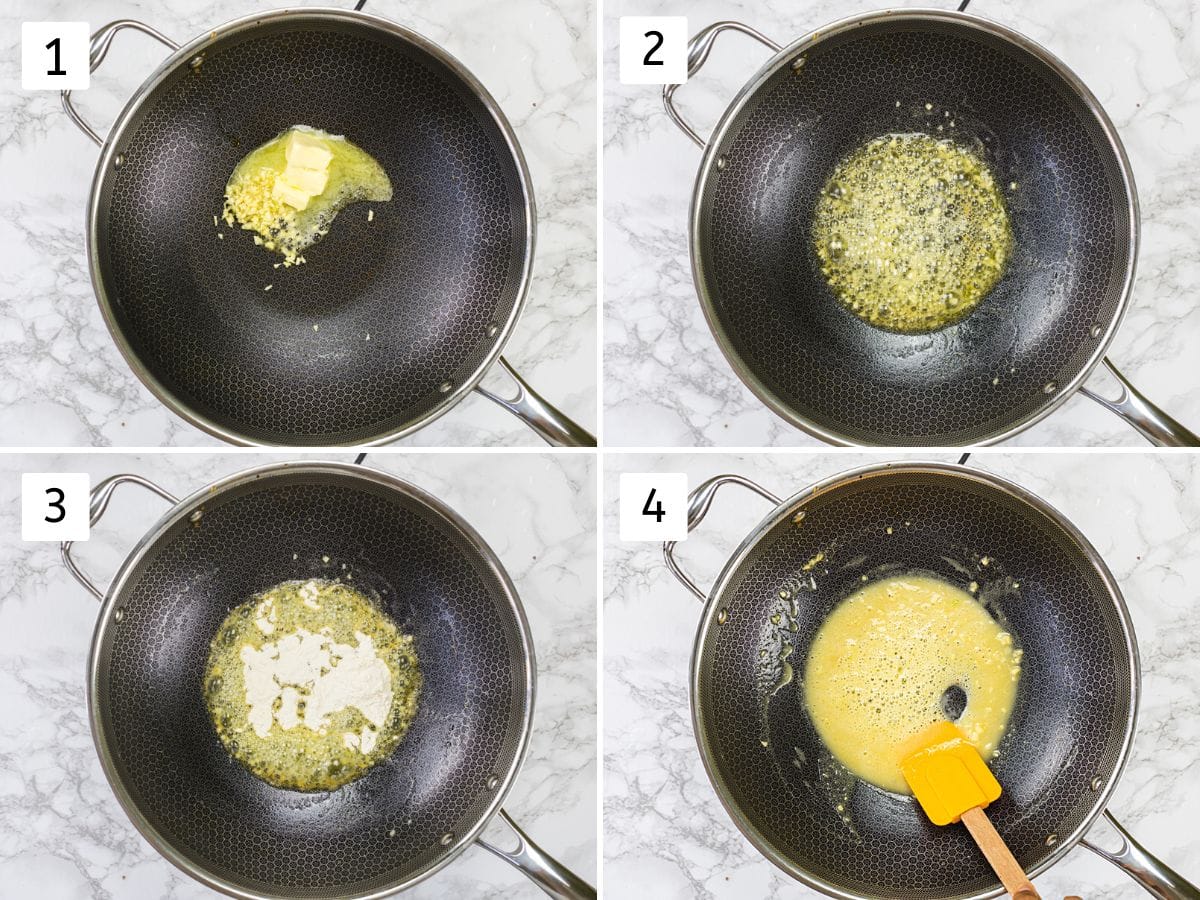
(653, 506)
(653, 49)
(55, 56)
(55, 506)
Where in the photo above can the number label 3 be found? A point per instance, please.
(653, 49)
(653, 506)
(55, 506)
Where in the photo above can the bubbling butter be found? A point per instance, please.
(309, 684)
(883, 659)
(289, 190)
(911, 232)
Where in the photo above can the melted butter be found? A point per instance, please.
(911, 232)
(353, 176)
(882, 660)
(309, 685)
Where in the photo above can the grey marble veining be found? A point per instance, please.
(666, 833)
(63, 836)
(1141, 59)
(62, 380)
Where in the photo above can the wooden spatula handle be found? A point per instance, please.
(1003, 863)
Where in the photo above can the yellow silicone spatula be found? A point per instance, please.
(952, 783)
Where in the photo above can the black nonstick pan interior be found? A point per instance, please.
(389, 318)
(407, 813)
(1041, 328)
(1068, 734)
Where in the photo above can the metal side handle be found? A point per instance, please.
(1151, 873)
(550, 875)
(100, 496)
(552, 426)
(699, 501)
(1154, 425)
(698, 49)
(101, 41)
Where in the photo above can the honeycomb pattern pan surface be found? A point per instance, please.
(1071, 726)
(411, 813)
(391, 320)
(1041, 329)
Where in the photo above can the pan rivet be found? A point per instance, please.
(445, 387)
(1050, 387)
(1096, 331)
(391, 832)
(118, 160)
(1096, 782)
(118, 615)
(1051, 840)
(493, 330)
(493, 782)
(197, 61)
(722, 163)
(798, 517)
(785, 594)
(196, 516)
(447, 839)
(723, 617)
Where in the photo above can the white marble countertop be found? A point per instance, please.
(63, 836)
(62, 380)
(1141, 58)
(666, 833)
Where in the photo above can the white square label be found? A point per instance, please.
(654, 49)
(654, 506)
(55, 56)
(55, 506)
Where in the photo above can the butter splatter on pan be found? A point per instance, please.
(911, 232)
(290, 190)
(309, 685)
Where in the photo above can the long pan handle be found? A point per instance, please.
(698, 49)
(1151, 873)
(101, 41)
(1154, 425)
(999, 857)
(699, 501)
(552, 426)
(101, 494)
(551, 876)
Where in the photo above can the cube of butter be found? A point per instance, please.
(290, 194)
(306, 151)
(311, 181)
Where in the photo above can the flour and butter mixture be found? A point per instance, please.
(309, 684)
(882, 661)
(289, 190)
(912, 232)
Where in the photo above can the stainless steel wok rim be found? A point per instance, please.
(181, 57)
(708, 171)
(788, 508)
(184, 508)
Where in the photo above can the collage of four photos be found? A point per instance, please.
(620, 449)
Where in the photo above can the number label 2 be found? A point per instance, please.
(653, 49)
(658, 42)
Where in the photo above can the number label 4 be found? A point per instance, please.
(653, 506)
